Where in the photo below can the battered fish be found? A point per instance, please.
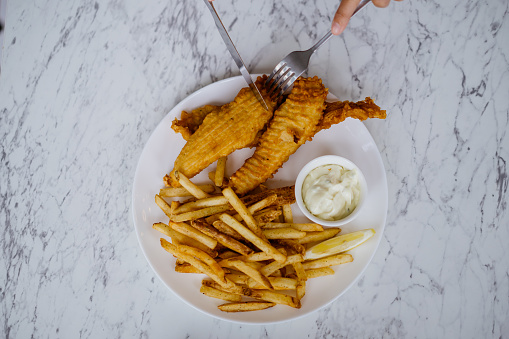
(294, 123)
(335, 112)
(233, 126)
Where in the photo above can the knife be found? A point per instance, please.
(235, 54)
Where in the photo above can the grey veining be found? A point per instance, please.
(84, 83)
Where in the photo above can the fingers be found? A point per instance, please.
(381, 3)
(343, 14)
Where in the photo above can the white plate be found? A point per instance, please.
(349, 139)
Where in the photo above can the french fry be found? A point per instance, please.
(193, 233)
(201, 203)
(230, 263)
(275, 297)
(289, 272)
(201, 213)
(277, 273)
(300, 290)
(310, 227)
(265, 246)
(238, 278)
(205, 269)
(319, 272)
(266, 295)
(283, 233)
(232, 288)
(319, 236)
(274, 266)
(257, 206)
(163, 205)
(183, 239)
(261, 256)
(278, 283)
(287, 213)
(332, 260)
(190, 186)
(212, 176)
(300, 271)
(173, 192)
(246, 306)
(186, 268)
(252, 273)
(222, 238)
(219, 174)
(215, 293)
(224, 228)
(239, 206)
(207, 259)
(227, 254)
(173, 206)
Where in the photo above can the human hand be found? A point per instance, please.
(345, 11)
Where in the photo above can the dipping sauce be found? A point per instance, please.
(331, 192)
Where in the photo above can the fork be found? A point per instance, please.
(294, 64)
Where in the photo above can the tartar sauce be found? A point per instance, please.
(331, 192)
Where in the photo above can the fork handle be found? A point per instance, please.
(329, 33)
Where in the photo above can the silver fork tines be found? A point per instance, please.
(294, 65)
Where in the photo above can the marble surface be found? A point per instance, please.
(84, 83)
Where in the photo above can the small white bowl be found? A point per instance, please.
(323, 161)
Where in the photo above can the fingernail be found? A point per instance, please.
(336, 28)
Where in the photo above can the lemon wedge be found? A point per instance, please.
(338, 244)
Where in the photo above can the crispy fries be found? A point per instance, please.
(163, 205)
(183, 239)
(214, 275)
(241, 209)
(224, 228)
(207, 237)
(283, 233)
(311, 227)
(215, 293)
(201, 203)
(246, 306)
(219, 174)
(275, 297)
(190, 187)
(319, 272)
(172, 192)
(274, 266)
(278, 283)
(191, 232)
(222, 238)
(250, 236)
(201, 213)
(252, 273)
(319, 236)
(287, 213)
(333, 260)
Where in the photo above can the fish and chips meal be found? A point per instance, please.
(235, 230)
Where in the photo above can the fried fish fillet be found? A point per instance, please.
(335, 112)
(234, 126)
(294, 123)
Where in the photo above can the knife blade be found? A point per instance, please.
(235, 54)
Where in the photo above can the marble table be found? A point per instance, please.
(84, 83)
